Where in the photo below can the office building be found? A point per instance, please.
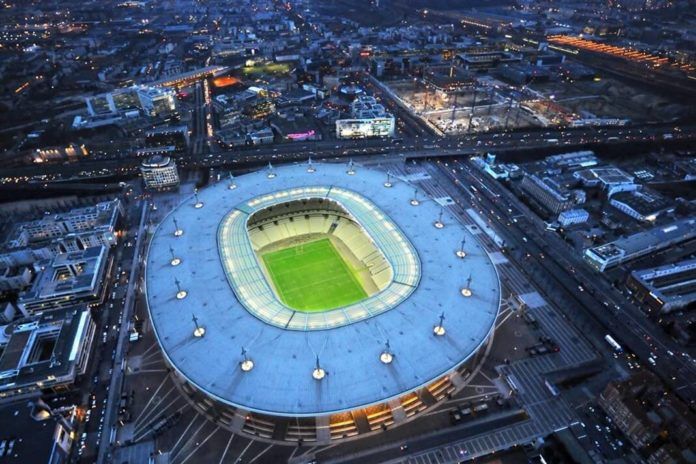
(67, 279)
(640, 244)
(573, 216)
(33, 432)
(643, 205)
(14, 278)
(45, 352)
(159, 173)
(547, 193)
(613, 180)
(665, 288)
(369, 119)
(76, 229)
(152, 101)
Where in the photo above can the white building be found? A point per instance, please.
(159, 173)
(573, 216)
(152, 101)
(369, 119)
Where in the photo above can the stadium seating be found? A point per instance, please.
(309, 219)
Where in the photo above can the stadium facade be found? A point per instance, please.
(254, 364)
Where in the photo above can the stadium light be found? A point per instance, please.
(232, 185)
(414, 200)
(180, 294)
(177, 231)
(310, 166)
(175, 261)
(351, 168)
(199, 331)
(388, 182)
(460, 252)
(439, 329)
(318, 373)
(198, 204)
(439, 224)
(386, 356)
(246, 364)
(271, 174)
(466, 291)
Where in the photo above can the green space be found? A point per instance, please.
(313, 277)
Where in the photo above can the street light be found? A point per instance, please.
(199, 331)
(439, 224)
(232, 185)
(246, 364)
(388, 183)
(178, 232)
(271, 174)
(439, 329)
(175, 261)
(460, 252)
(310, 166)
(199, 203)
(386, 356)
(318, 373)
(466, 291)
(414, 200)
(180, 294)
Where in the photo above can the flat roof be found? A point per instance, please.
(281, 381)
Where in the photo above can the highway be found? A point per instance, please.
(419, 147)
(533, 247)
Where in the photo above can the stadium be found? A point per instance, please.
(318, 302)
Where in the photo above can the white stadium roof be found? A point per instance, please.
(281, 381)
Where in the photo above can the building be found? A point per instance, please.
(157, 101)
(7, 313)
(614, 180)
(66, 280)
(14, 278)
(573, 160)
(46, 352)
(643, 205)
(169, 136)
(159, 173)
(276, 388)
(665, 288)
(650, 417)
(262, 136)
(152, 101)
(573, 216)
(640, 244)
(369, 119)
(70, 153)
(36, 433)
(76, 229)
(547, 193)
(628, 414)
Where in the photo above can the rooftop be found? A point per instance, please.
(43, 349)
(281, 382)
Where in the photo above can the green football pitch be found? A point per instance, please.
(313, 277)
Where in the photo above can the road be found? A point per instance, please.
(536, 248)
(564, 139)
(118, 356)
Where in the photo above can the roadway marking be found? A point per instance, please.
(239, 458)
(190, 439)
(184, 432)
(201, 444)
(154, 395)
(260, 454)
(224, 453)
